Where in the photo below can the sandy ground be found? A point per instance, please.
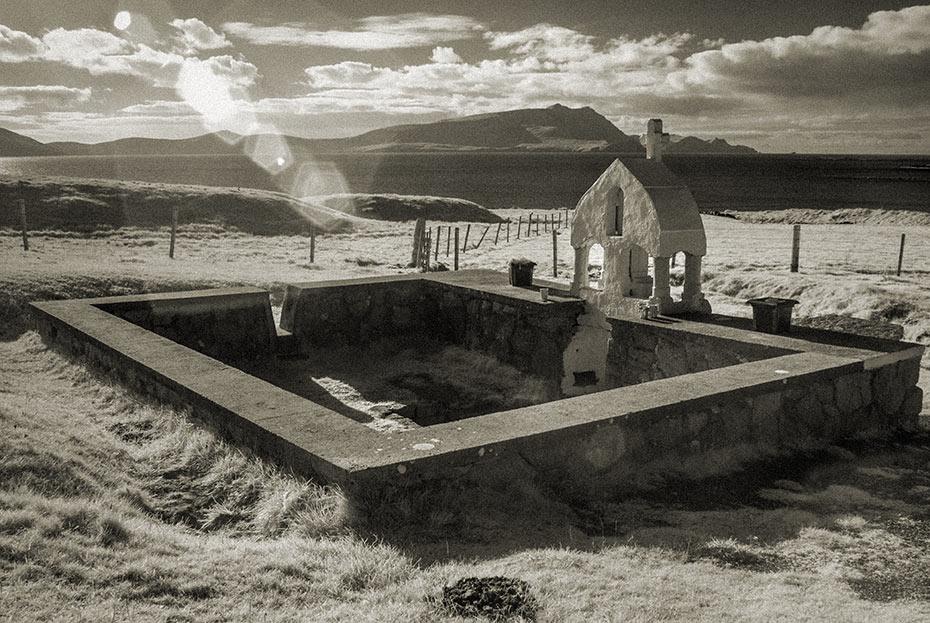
(844, 268)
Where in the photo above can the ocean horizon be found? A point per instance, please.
(528, 180)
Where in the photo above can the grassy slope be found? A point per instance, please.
(87, 205)
(111, 507)
(389, 207)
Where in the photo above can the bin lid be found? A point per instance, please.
(771, 301)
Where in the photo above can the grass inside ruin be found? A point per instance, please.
(398, 384)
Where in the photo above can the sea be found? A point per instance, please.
(527, 180)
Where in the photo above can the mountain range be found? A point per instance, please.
(556, 128)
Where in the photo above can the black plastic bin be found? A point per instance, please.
(772, 314)
(521, 272)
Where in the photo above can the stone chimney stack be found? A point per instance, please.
(655, 139)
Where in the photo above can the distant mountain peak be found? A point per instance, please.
(554, 128)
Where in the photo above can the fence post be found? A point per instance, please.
(498, 234)
(555, 253)
(480, 240)
(427, 242)
(900, 255)
(508, 231)
(519, 225)
(456, 263)
(467, 231)
(438, 238)
(795, 248)
(312, 243)
(22, 217)
(418, 230)
(529, 225)
(537, 224)
(174, 230)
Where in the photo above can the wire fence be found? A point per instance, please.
(823, 248)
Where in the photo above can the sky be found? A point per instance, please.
(827, 76)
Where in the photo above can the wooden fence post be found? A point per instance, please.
(467, 231)
(529, 225)
(438, 239)
(448, 239)
(427, 241)
(480, 240)
(508, 231)
(456, 245)
(537, 224)
(174, 230)
(22, 217)
(312, 244)
(900, 255)
(418, 230)
(519, 225)
(555, 253)
(498, 234)
(795, 248)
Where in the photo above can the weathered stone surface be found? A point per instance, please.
(888, 390)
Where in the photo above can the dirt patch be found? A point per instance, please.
(496, 598)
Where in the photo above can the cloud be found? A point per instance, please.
(410, 30)
(196, 36)
(886, 61)
(102, 53)
(543, 64)
(52, 96)
(17, 46)
(445, 55)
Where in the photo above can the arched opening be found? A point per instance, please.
(596, 267)
(613, 215)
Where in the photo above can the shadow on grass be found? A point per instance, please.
(863, 503)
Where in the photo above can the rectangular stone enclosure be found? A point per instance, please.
(669, 396)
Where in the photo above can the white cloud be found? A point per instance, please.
(103, 53)
(197, 36)
(409, 30)
(887, 60)
(17, 46)
(445, 55)
(19, 97)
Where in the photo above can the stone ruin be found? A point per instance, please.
(639, 398)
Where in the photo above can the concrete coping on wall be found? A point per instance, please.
(336, 448)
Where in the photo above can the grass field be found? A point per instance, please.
(114, 508)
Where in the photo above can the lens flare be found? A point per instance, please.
(122, 20)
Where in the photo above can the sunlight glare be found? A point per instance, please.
(208, 94)
(122, 20)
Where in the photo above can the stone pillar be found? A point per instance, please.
(691, 295)
(661, 290)
(580, 278)
(692, 285)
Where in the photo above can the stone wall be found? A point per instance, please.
(694, 438)
(233, 325)
(643, 351)
(524, 332)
